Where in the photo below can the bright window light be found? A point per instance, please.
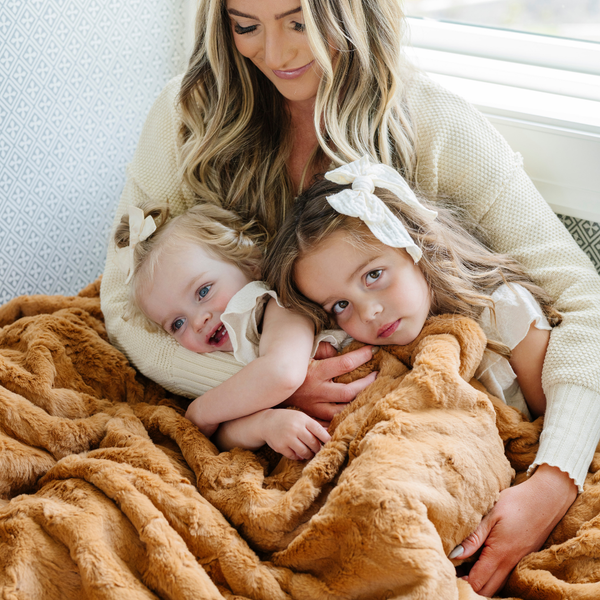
(576, 19)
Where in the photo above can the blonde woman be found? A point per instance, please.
(279, 90)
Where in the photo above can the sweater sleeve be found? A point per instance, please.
(153, 175)
(462, 156)
(521, 223)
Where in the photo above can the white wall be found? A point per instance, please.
(77, 78)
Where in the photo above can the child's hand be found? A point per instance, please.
(293, 433)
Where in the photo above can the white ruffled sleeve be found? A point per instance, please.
(243, 317)
(515, 311)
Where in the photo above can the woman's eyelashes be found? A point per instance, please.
(242, 30)
(296, 26)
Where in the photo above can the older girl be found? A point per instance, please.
(374, 260)
(276, 91)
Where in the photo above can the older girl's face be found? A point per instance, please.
(376, 293)
(271, 34)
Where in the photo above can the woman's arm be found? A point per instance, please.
(153, 175)
(284, 351)
(463, 157)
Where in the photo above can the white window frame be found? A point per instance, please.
(542, 93)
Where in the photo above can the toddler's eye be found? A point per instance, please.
(176, 325)
(203, 291)
(339, 307)
(374, 275)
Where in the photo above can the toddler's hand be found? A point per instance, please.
(294, 434)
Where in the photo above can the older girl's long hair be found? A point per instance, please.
(461, 271)
(235, 136)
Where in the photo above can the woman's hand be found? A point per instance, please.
(519, 523)
(319, 396)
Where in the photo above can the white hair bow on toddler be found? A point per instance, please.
(140, 229)
(361, 202)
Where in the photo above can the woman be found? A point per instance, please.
(275, 92)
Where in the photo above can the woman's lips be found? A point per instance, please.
(388, 329)
(293, 73)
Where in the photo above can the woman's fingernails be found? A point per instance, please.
(458, 551)
(374, 349)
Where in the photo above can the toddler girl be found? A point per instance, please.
(373, 259)
(194, 276)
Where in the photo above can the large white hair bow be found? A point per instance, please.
(140, 229)
(361, 202)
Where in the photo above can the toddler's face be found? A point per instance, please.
(376, 294)
(189, 293)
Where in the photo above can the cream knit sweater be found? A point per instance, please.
(459, 155)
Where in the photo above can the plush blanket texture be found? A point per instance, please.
(108, 492)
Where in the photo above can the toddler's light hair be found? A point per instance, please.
(460, 270)
(219, 232)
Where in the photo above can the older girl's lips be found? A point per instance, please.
(388, 329)
(293, 73)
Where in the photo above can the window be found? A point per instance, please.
(540, 91)
(576, 19)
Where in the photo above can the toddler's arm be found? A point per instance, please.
(289, 432)
(284, 353)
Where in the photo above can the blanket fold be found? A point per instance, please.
(107, 491)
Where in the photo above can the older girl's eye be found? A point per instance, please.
(176, 325)
(203, 291)
(373, 276)
(299, 27)
(242, 30)
(339, 307)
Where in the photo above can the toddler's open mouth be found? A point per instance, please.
(218, 336)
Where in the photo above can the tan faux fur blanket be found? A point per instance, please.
(107, 492)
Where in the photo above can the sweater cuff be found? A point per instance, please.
(193, 374)
(571, 430)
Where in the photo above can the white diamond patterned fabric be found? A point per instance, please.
(77, 78)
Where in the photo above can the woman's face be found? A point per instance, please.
(271, 34)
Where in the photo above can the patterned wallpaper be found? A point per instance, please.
(586, 234)
(77, 78)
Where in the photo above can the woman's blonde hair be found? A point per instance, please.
(219, 232)
(235, 136)
(460, 270)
